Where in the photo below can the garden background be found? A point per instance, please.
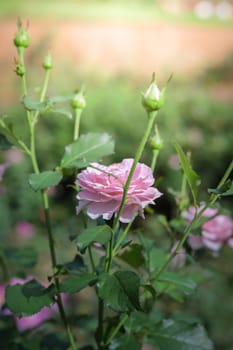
(112, 47)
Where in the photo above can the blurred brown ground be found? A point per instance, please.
(115, 47)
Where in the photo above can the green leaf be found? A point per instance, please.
(120, 291)
(60, 99)
(62, 111)
(225, 190)
(149, 288)
(133, 255)
(183, 283)
(88, 148)
(88, 323)
(192, 178)
(28, 299)
(157, 258)
(23, 256)
(45, 179)
(76, 266)
(4, 143)
(141, 322)
(172, 335)
(100, 234)
(125, 342)
(75, 284)
(35, 105)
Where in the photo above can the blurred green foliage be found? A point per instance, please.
(124, 10)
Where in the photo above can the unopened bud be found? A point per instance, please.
(78, 101)
(48, 63)
(156, 141)
(153, 99)
(20, 70)
(21, 38)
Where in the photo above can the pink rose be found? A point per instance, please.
(102, 190)
(214, 232)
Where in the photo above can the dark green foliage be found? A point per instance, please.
(29, 298)
(120, 291)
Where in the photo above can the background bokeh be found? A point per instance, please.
(112, 47)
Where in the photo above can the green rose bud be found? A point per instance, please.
(20, 70)
(153, 99)
(47, 63)
(156, 141)
(21, 38)
(78, 101)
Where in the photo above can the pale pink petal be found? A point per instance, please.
(230, 242)
(81, 206)
(213, 245)
(3, 167)
(95, 210)
(195, 242)
(129, 213)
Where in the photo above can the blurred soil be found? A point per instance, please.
(115, 47)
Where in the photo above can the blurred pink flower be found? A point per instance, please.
(179, 259)
(24, 229)
(3, 167)
(214, 232)
(13, 156)
(174, 162)
(27, 322)
(102, 190)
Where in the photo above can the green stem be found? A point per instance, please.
(77, 116)
(151, 117)
(5, 271)
(183, 193)
(91, 259)
(198, 215)
(116, 329)
(54, 264)
(154, 159)
(122, 237)
(33, 157)
(24, 83)
(181, 243)
(99, 333)
(227, 173)
(42, 94)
